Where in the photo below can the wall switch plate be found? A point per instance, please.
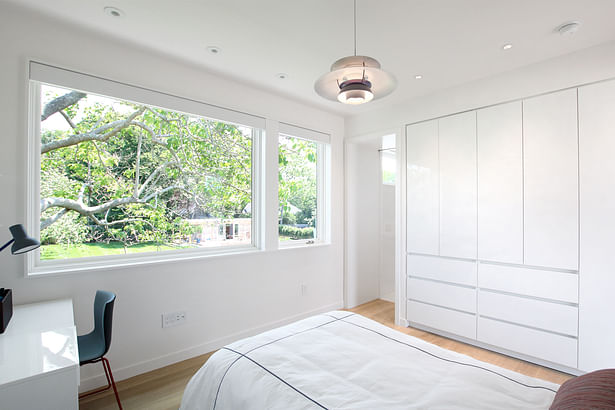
(304, 289)
(173, 319)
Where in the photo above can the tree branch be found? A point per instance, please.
(51, 220)
(137, 166)
(60, 103)
(68, 120)
(100, 134)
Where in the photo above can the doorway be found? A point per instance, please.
(371, 168)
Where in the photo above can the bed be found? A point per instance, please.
(341, 360)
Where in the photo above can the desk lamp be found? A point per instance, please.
(22, 243)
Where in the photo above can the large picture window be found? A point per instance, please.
(117, 177)
(302, 190)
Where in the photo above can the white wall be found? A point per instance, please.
(225, 297)
(362, 223)
(589, 65)
(387, 242)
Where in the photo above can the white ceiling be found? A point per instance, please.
(449, 42)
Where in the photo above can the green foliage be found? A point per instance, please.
(297, 180)
(70, 229)
(187, 167)
(289, 219)
(296, 233)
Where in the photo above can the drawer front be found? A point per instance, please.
(452, 321)
(531, 282)
(543, 345)
(448, 270)
(451, 296)
(536, 313)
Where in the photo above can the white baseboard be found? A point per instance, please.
(389, 297)
(135, 369)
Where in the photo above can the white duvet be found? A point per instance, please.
(341, 360)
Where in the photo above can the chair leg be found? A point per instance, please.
(102, 389)
(110, 383)
(108, 368)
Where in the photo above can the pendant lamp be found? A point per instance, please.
(355, 79)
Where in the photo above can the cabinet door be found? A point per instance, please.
(551, 180)
(597, 270)
(422, 187)
(458, 185)
(500, 183)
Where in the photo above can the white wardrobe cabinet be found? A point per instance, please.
(457, 134)
(597, 268)
(551, 180)
(500, 183)
(511, 227)
(422, 187)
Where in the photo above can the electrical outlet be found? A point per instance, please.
(304, 289)
(173, 319)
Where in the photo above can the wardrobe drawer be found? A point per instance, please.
(451, 321)
(442, 294)
(448, 270)
(543, 345)
(554, 317)
(531, 282)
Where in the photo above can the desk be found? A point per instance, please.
(39, 360)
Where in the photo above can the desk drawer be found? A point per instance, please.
(442, 294)
(554, 317)
(531, 282)
(451, 321)
(447, 270)
(542, 345)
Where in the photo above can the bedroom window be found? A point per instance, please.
(126, 175)
(302, 186)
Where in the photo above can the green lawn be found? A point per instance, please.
(83, 250)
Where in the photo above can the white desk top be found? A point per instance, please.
(41, 338)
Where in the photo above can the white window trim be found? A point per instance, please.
(48, 74)
(304, 133)
(323, 178)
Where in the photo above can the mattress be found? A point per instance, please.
(341, 360)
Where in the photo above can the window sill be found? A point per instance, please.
(56, 268)
(301, 244)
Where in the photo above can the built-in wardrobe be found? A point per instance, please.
(510, 227)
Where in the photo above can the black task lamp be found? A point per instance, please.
(22, 243)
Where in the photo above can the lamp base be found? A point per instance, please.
(6, 308)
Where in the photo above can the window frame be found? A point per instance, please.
(40, 73)
(323, 184)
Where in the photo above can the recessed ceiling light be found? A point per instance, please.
(113, 12)
(418, 77)
(568, 28)
(282, 76)
(214, 50)
(506, 47)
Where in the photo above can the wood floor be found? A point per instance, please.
(162, 389)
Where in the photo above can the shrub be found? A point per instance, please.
(295, 233)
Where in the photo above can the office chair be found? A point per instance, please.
(94, 345)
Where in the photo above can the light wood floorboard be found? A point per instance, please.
(162, 389)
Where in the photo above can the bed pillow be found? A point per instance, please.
(595, 390)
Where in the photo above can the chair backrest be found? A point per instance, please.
(103, 316)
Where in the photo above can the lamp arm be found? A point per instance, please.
(7, 244)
